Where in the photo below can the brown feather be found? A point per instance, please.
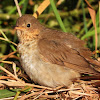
(66, 50)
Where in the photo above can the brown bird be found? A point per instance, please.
(51, 57)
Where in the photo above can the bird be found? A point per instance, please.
(51, 57)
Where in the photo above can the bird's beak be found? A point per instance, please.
(19, 28)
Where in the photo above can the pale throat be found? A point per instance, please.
(25, 36)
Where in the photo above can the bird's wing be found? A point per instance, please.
(65, 54)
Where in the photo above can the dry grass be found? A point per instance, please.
(80, 90)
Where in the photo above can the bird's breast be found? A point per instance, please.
(43, 72)
(29, 57)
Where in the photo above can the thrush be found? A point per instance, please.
(51, 57)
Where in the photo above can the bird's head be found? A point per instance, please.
(28, 28)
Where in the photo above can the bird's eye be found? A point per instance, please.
(28, 25)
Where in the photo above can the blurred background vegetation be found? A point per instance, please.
(74, 14)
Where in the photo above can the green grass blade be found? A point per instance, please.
(24, 6)
(12, 47)
(90, 33)
(84, 17)
(57, 15)
(14, 9)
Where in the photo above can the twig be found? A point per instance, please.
(17, 84)
(62, 90)
(10, 74)
(32, 94)
(41, 8)
(9, 98)
(5, 57)
(93, 17)
(8, 41)
(19, 11)
(14, 68)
